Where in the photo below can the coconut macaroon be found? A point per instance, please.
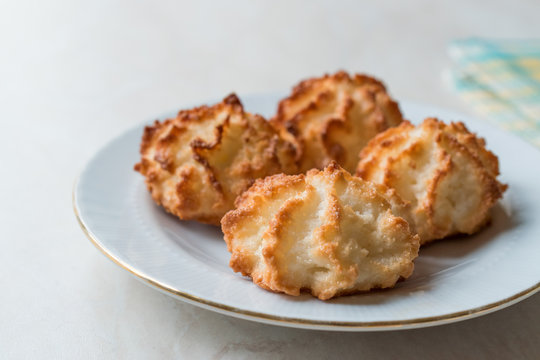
(198, 163)
(325, 232)
(333, 117)
(443, 170)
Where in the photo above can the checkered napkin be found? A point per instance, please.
(500, 79)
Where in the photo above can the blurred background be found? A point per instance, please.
(118, 61)
(74, 75)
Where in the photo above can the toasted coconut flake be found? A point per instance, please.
(334, 117)
(443, 170)
(198, 163)
(325, 232)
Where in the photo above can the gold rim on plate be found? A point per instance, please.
(305, 323)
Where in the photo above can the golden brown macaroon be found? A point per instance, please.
(326, 232)
(198, 163)
(333, 117)
(443, 170)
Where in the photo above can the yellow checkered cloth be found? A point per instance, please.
(501, 81)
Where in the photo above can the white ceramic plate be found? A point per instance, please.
(453, 280)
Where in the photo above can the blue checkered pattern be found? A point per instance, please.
(500, 79)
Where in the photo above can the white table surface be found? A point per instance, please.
(73, 75)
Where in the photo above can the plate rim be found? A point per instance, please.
(286, 320)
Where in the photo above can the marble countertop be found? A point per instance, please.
(73, 75)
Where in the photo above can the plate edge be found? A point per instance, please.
(298, 322)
